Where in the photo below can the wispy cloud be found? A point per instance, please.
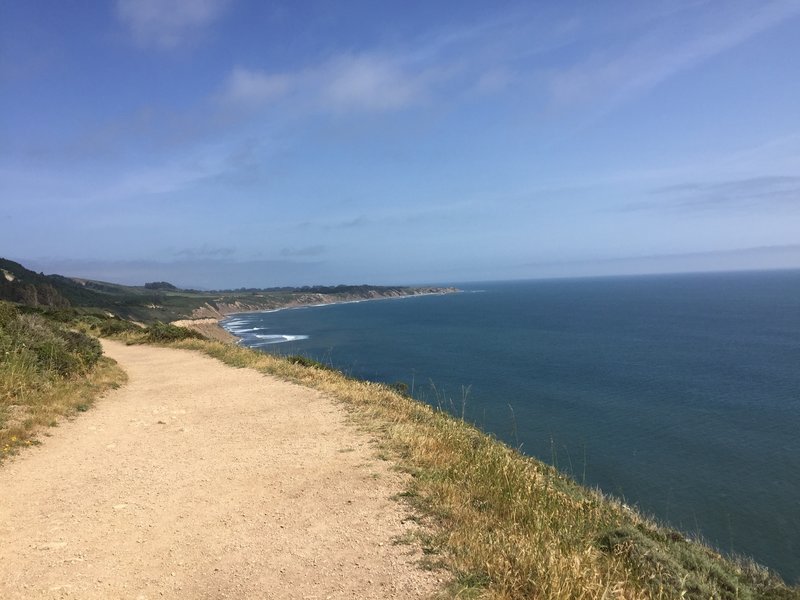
(150, 181)
(761, 193)
(454, 64)
(372, 83)
(396, 219)
(168, 23)
(253, 88)
(346, 82)
(611, 76)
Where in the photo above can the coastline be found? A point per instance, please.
(506, 508)
(391, 333)
(625, 533)
(209, 327)
(208, 319)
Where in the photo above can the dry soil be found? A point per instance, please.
(198, 480)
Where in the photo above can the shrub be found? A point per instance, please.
(116, 326)
(45, 345)
(53, 347)
(85, 347)
(43, 365)
(8, 313)
(46, 371)
(90, 322)
(163, 332)
(159, 285)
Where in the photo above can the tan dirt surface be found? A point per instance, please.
(198, 480)
(209, 328)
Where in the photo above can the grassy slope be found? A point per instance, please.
(508, 526)
(127, 302)
(149, 305)
(47, 372)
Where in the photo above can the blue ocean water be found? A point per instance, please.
(679, 393)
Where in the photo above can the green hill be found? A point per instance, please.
(162, 301)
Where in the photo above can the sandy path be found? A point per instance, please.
(197, 480)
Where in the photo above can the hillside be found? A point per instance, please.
(163, 301)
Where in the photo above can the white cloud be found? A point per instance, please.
(344, 83)
(661, 53)
(167, 23)
(249, 87)
(370, 82)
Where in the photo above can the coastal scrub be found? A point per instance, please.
(47, 371)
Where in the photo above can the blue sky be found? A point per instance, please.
(219, 143)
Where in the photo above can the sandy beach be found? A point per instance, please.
(198, 480)
(206, 320)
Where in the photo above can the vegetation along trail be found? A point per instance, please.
(198, 480)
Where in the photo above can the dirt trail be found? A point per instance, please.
(198, 480)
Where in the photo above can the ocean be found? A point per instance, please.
(678, 393)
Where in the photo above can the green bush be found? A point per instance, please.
(163, 332)
(116, 326)
(85, 347)
(45, 346)
(90, 322)
(8, 313)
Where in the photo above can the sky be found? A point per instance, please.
(239, 143)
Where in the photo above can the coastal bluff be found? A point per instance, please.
(221, 309)
(205, 319)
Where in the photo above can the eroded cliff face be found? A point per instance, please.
(209, 328)
(221, 308)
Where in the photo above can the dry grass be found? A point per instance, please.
(510, 527)
(47, 371)
(39, 405)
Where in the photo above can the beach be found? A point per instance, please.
(206, 319)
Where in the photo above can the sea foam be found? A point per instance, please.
(278, 339)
